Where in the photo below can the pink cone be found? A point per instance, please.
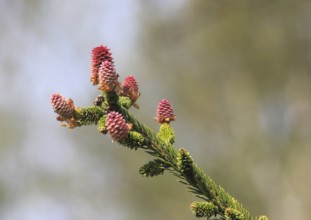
(62, 106)
(116, 126)
(165, 112)
(99, 55)
(107, 76)
(129, 88)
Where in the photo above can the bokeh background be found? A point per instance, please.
(238, 74)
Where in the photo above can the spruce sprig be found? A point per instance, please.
(111, 115)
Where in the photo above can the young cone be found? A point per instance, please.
(129, 88)
(165, 112)
(99, 55)
(117, 128)
(62, 106)
(107, 76)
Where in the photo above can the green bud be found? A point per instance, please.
(184, 161)
(166, 133)
(134, 140)
(101, 125)
(203, 209)
(233, 214)
(125, 102)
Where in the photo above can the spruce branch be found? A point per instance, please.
(110, 113)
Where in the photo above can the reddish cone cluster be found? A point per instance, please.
(107, 76)
(99, 55)
(129, 88)
(116, 126)
(62, 106)
(165, 112)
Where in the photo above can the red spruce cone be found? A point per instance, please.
(165, 112)
(107, 76)
(129, 88)
(62, 106)
(99, 55)
(116, 126)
